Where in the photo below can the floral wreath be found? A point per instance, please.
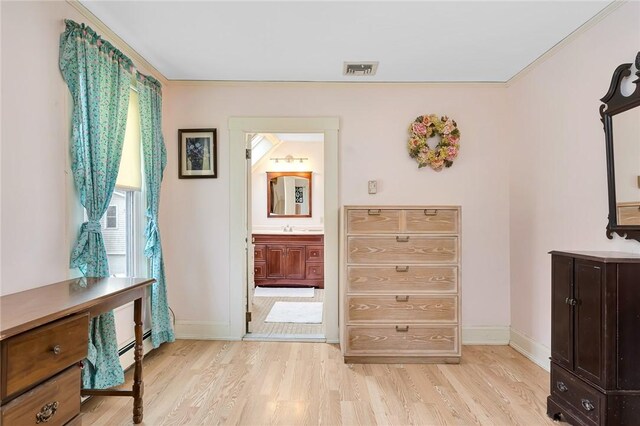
(426, 126)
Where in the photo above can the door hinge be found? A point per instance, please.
(248, 316)
(247, 154)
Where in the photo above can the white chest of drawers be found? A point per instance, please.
(400, 284)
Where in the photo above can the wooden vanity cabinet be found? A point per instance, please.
(288, 260)
(595, 318)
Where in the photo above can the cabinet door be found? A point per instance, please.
(561, 310)
(276, 266)
(588, 321)
(295, 260)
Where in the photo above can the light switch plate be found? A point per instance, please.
(373, 186)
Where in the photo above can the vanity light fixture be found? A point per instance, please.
(288, 159)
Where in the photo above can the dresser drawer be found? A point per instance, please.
(315, 254)
(402, 309)
(40, 353)
(435, 221)
(402, 279)
(397, 340)
(402, 249)
(373, 221)
(54, 402)
(585, 401)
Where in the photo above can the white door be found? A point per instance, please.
(250, 284)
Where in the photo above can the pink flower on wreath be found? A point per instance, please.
(426, 120)
(419, 129)
(437, 164)
(452, 153)
(414, 143)
(454, 139)
(448, 127)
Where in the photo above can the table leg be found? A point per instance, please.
(138, 384)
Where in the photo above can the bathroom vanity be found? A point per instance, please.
(289, 260)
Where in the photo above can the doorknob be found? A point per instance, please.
(571, 301)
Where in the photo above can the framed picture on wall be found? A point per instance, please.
(197, 153)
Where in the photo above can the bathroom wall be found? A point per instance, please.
(315, 163)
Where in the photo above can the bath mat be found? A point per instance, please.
(284, 292)
(298, 312)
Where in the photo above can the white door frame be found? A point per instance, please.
(238, 127)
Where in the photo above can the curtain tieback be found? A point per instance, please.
(92, 226)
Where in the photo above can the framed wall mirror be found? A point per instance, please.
(289, 194)
(620, 114)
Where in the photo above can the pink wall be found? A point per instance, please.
(558, 187)
(373, 137)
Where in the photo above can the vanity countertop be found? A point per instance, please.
(294, 232)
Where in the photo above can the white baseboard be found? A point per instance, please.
(536, 352)
(126, 359)
(203, 330)
(498, 335)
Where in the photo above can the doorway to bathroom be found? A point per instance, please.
(285, 202)
(284, 228)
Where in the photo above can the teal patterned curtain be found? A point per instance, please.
(155, 160)
(99, 78)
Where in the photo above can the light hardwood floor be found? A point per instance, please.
(262, 306)
(291, 383)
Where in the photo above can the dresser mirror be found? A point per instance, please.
(289, 194)
(620, 114)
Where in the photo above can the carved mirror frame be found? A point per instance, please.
(273, 175)
(614, 102)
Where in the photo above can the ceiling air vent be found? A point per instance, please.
(360, 68)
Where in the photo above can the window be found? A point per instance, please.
(123, 222)
(111, 217)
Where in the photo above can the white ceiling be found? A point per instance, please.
(310, 40)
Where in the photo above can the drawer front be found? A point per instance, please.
(402, 340)
(40, 353)
(259, 270)
(586, 401)
(439, 221)
(402, 309)
(54, 402)
(314, 271)
(258, 253)
(315, 253)
(402, 249)
(402, 278)
(373, 221)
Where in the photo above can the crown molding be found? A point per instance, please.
(351, 84)
(610, 8)
(116, 40)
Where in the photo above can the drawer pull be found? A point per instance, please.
(402, 269)
(402, 329)
(430, 212)
(375, 212)
(56, 350)
(402, 239)
(562, 387)
(47, 412)
(402, 298)
(587, 405)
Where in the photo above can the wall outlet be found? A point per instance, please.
(373, 186)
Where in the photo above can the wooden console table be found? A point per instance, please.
(43, 337)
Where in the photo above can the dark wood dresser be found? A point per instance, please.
(282, 260)
(44, 337)
(595, 338)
